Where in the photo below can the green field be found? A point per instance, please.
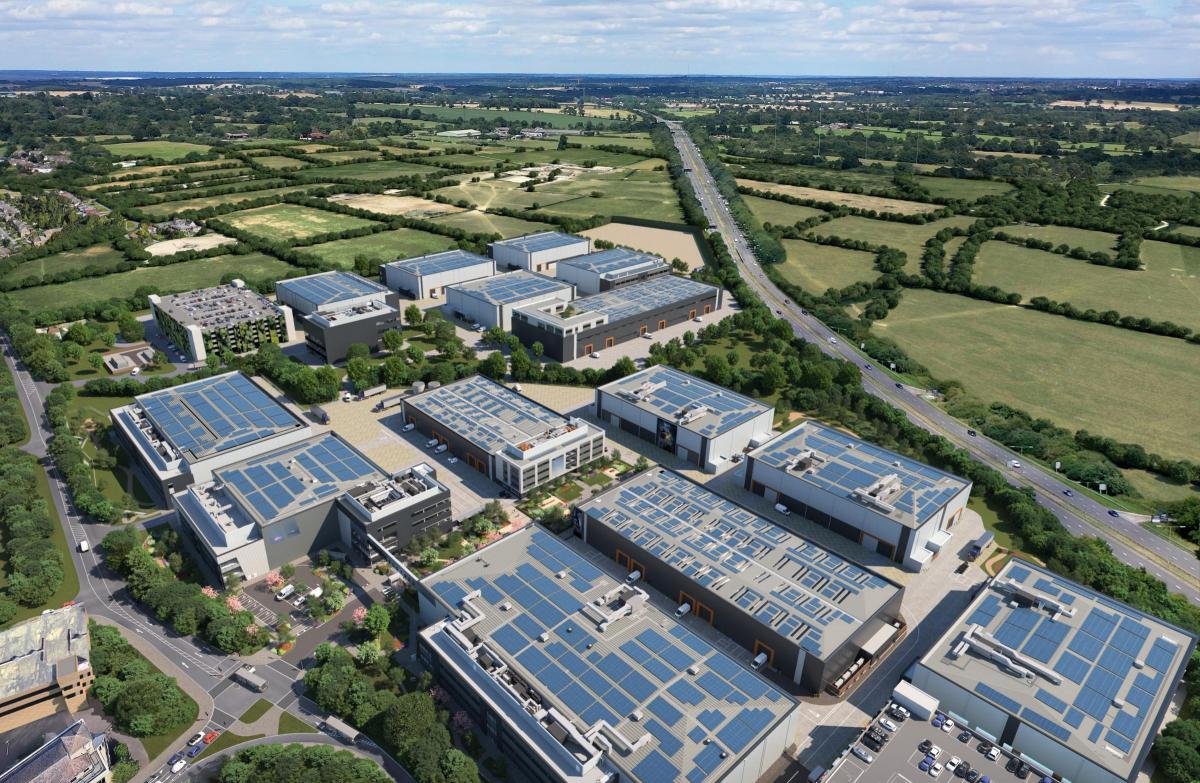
(519, 157)
(279, 162)
(105, 256)
(368, 171)
(337, 156)
(1182, 184)
(169, 208)
(532, 119)
(817, 268)
(908, 237)
(768, 210)
(640, 194)
(1114, 382)
(1065, 235)
(384, 246)
(292, 221)
(497, 193)
(1168, 289)
(167, 150)
(965, 189)
(184, 276)
(1186, 230)
(483, 223)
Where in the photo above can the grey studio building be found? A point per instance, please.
(577, 678)
(428, 277)
(891, 504)
(697, 421)
(340, 309)
(491, 301)
(817, 618)
(571, 329)
(537, 252)
(607, 269)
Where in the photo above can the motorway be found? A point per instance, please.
(1079, 514)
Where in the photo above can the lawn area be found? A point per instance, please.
(227, 740)
(167, 150)
(169, 208)
(964, 189)
(256, 711)
(497, 193)
(1156, 488)
(768, 210)
(817, 268)
(568, 492)
(279, 162)
(1003, 531)
(385, 246)
(1065, 235)
(70, 584)
(857, 200)
(908, 237)
(337, 156)
(1183, 184)
(104, 256)
(369, 171)
(1168, 289)
(184, 276)
(640, 194)
(292, 221)
(483, 223)
(1080, 375)
(290, 724)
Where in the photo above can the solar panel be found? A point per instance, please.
(512, 287)
(676, 391)
(329, 288)
(637, 299)
(436, 263)
(544, 240)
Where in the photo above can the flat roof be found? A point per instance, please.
(327, 288)
(206, 417)
(511, 287)
(543, 240)
(692, 403)
(588, 673)
(218, 307)
(488, 414)
(800, 590)
(440, 262)
(636, 299)
(839, 464)
(30, 651)
(617, 263)
(1077, 652)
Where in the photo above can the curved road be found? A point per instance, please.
(205, 771)
(1079, 514)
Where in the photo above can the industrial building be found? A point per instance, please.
(339, 309)
(818, 619)
(426, 277)
(537, 252)
(1074, 682)
(699, 422)
(384, 516)
(491, 301)
(45, 666)
(888, 503)
(504, 435)
(578, 679)
(182, 433)
(75, 755)
(222, 318)
(607, 269)
(571, 329)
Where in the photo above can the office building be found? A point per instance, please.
(1070, 680)
(571, 329)
(426, 277)
(699, 422)
(339, 309)
(491, 301)
(607, 269)
(578, 679)
(890, 504)
(504, 435)
(229, 317)
(181, 434)
(45, 666)
(383, 516)
(537, 252)
(815, 617)
(76, 755)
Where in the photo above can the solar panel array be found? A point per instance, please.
(636, 299)
(681, 391)
(216, 414)
(850, 463)
(517, 286)
(330, 287)
(616, 263)
(639, 663)
(798, 589)
(440, 262)
(545, 240)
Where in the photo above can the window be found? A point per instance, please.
(759, 647)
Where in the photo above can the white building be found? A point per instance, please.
(428, 276)
(608, 269)
(537, 252)
(491, 301)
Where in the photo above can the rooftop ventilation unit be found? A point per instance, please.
(693, 413)
(642, 392)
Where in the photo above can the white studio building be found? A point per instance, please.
(428, 277)
(608, 269)
(491, 301)
(537, 252)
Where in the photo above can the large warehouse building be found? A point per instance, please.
(340, 309)
(537, 252)
(426, 277)
(578, 679)
(893, 505)
(569, 330)
(222, 318)
(693, 419)
(815, 617)
(1073, 682)
(183, 433)
(491, 301)
(508, 437)
(608, 269)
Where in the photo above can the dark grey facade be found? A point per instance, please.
(459, 446)
(396, 530)
(331, 340)
(165, 486)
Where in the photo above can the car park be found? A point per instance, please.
(862, 754)
(964, 737)
(948, 726)
(195, 750)
(935, 770)
(887, 724)
(196, 738)
(952, 764)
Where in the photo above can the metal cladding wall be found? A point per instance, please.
(423, 286)
(332, 342)
(397, 530)
(165, 486)
(476, 309)
(458, 445)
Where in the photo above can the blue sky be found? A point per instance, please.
(1121, 38)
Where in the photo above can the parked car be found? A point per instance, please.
(964, 737)
(925, 764)
(872, 742)
(862, 754)
(948, 726)
(952, 764)
(993, 753)
(984, 747)
(1011, 766)
(938, 720)
(196, 738)
(935, 751)
(963, 770)
(900, 713)
(175, 757)
(935, 770)
(887, 724)
(925, 746)
(196, 750)
(973, 776)
(179, 765)
(452, 461)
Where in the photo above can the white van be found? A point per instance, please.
(782, 509)
(429, 444)
(285, 592)
(408, 427)
(84, 545)
(441, 449)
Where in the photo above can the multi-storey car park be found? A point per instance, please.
(578, 678)
(45, 666)
(340, 309)
(697, 421)
(491, 301)
(222, 318)
(888, 503)
(607, 269)
(508, 437)
(537, 252)
(571, 329)
(426, 277)
(1068, 679)
(818, 619)
(181, 434)
(75, 755)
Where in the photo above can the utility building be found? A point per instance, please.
(1074, 682)
(339, 309)
(384, 516)
(578, 679)
(45, 666)
(426, 277)
(607, 269)
(223, 318)
(889, 503)
(537, 252)
(697, 421)
(491, 301)
(813, 616)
